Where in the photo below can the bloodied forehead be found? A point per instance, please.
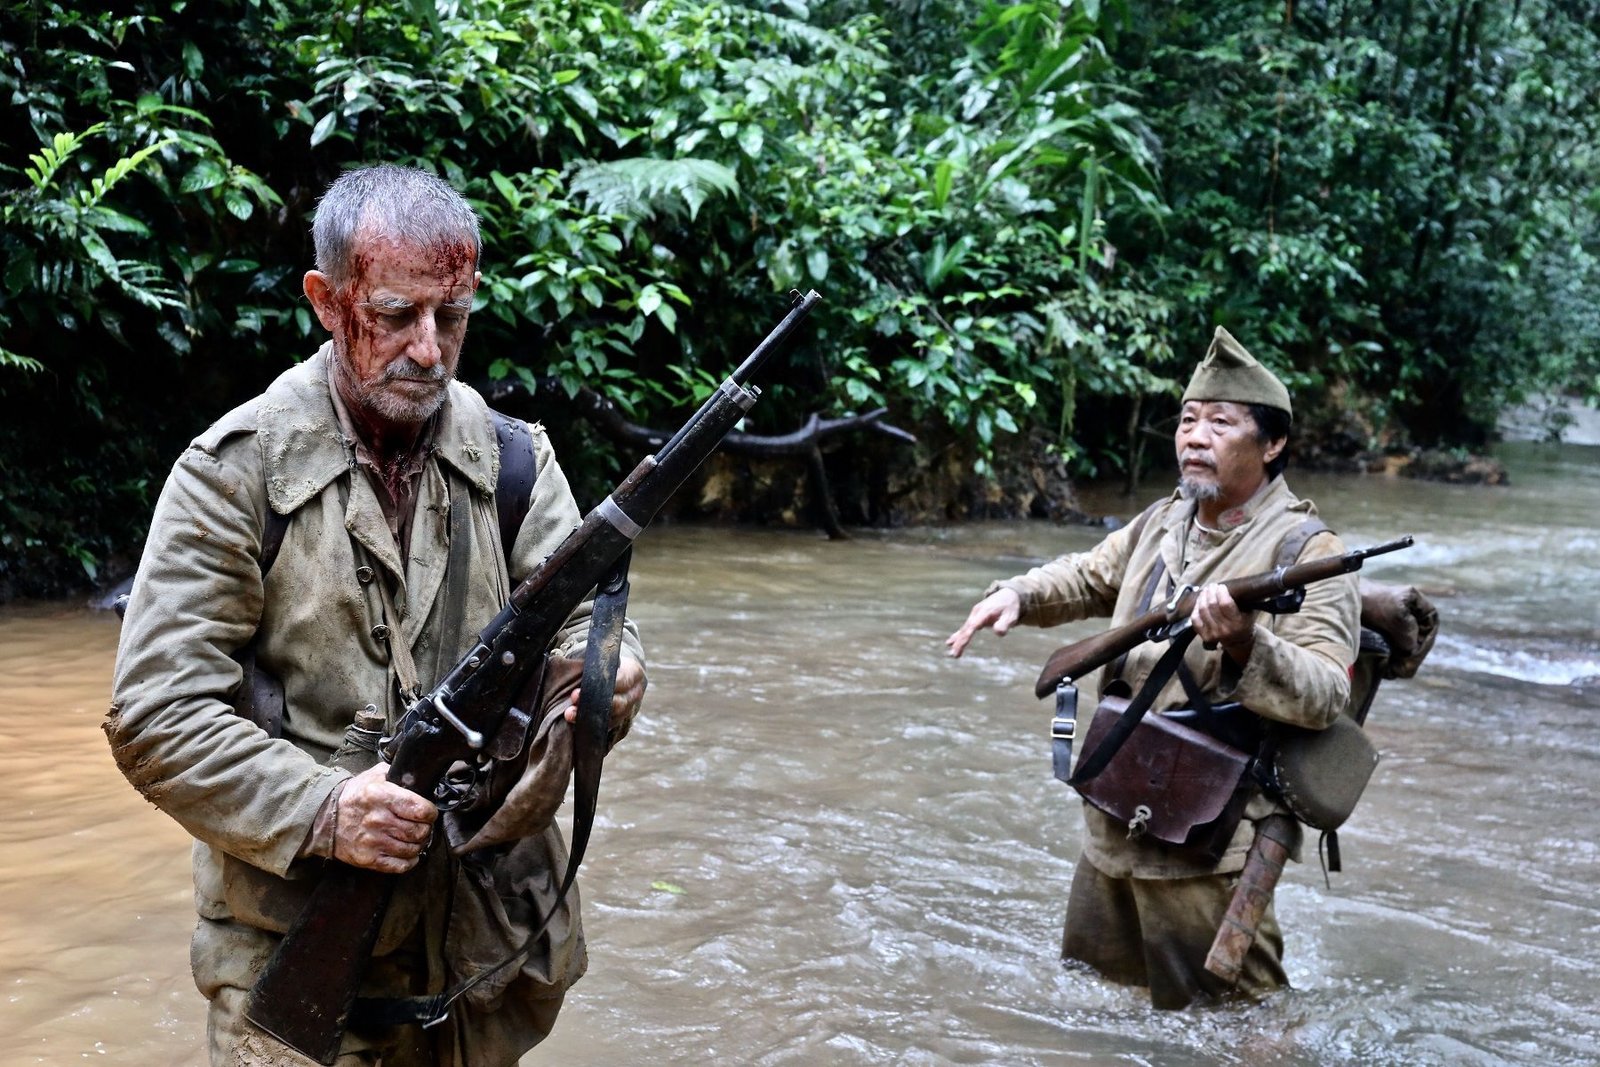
(412, 269)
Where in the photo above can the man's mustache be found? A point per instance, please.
(1205, 459)
(406, 369)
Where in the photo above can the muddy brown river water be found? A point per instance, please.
(826, 843)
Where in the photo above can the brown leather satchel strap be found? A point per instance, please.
(1095, 762)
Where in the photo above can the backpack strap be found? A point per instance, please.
(1295, 542)
(513, 491)
(272, 532)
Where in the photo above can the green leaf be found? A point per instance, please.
(817, 263)
(238, 203)
(668, 887)
(507, 190)
(944, 176)
(323, 129)
(205, 174)
(750, 140)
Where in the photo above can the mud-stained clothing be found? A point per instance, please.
(1298, 673)
(318, 622)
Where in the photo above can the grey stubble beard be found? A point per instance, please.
(1198, 491)
(376, 399)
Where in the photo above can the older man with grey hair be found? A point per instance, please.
(315, 554)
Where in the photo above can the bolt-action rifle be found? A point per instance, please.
(305, 994)
(1281, 589)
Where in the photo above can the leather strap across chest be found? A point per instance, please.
(1063, 727)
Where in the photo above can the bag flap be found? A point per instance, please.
(1182, 776)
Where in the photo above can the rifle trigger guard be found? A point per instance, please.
(457, 789)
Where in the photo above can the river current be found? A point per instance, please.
(826, 843)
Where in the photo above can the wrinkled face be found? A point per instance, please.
(397, 326)
(1219, 457)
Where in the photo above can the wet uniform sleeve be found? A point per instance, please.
(1299, 668)
(1079, 585)
(196, 600)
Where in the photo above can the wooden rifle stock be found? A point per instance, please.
(305, 994)
(1250, 593)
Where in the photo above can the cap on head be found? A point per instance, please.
(1229, 372)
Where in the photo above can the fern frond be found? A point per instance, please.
(640, 187)
(146, 284)
(49, 158)
(119, 170)
(9, 358)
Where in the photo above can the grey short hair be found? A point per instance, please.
(401, 203)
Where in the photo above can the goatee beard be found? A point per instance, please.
(1198, 491)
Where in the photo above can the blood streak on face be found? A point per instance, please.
(398, 326)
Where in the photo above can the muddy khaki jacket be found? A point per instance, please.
(1299, 668)
(320, 627)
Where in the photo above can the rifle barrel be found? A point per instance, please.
(1079, 658)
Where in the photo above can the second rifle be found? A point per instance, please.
(1251, 593)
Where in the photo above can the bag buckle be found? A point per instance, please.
(1063, 729)
(1139, 823)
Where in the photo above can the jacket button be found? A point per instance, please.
(380, 632)
(363, 575)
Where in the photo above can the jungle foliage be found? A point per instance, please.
(1025, 216)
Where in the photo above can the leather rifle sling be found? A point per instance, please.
(1095, 762)
(602, 655)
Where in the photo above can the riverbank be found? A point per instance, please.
(1567, 420)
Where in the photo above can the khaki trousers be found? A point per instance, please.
(1157, 932)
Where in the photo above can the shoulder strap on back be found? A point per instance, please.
(1295, 542)
(272, 538)
(513, 492)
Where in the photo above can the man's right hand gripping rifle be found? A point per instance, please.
(306, 995)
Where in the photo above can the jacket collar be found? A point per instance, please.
(304, 450)
(1182, 512)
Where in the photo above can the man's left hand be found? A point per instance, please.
(625, 701)
(1219, 621)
